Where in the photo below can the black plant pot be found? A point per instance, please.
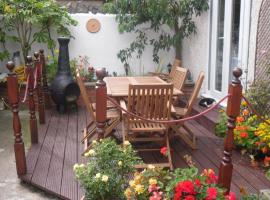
(64, 90)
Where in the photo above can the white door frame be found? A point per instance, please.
(243, 44)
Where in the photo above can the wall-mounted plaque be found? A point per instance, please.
(93, 25)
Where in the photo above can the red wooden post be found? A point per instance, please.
(233, 110)
(101, 102)
(44, 80)
(13, 97)
(41, 106)
(33, 119)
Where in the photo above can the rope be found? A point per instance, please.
(254, 111)
(26, 89)
(35, 77)
(168, 121)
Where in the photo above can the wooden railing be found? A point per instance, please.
(233, 110)
(36, 88)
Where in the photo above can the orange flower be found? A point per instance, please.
(245, 112)
(240, 119)
(244, 135)
(264, 150)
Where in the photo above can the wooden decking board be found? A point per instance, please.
(69, 186)
(54, 177)
(81, 125)
(242, 170)
(44, 158)
(56, 145)
(32, 156)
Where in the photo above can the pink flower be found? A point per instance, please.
(230, 196)
(163, 151)
(156, 196)
(211, 193)
(152, 188)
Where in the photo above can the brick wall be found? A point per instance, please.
(263, 41)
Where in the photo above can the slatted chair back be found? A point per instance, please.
(195, 93)
(150, 101)
(84, 94)
(176, 63)
(179, 77)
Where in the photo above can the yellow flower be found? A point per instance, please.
(126, 143)
(244, 103)
(128, 193)
(132, 184)
(7, 9)
(139, 189)
(105, 178)
(91, 152)
(151, 167)
(98, 175)
(120, 163)
(56, 51)
(138, 179)
(152, 181)
(94, 142)
(81, 165)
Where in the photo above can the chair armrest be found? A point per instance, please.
(123, 105)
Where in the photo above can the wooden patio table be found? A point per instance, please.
(117, 87)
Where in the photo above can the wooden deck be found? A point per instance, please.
(50, 162)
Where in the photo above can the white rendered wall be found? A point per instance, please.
(195, 49)
(102, 47)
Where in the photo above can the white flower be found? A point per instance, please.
(105, 178)
(81, 165)
(120, 163)
(75, 167)
(94, 142)
(91, 152)
(98, 175)
(126, 143)
(151, 167)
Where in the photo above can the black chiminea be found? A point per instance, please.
(64, 89)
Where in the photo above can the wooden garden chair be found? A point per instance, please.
(190, 139)
(113, 115)
(178, 77)
(164, 76)
(152, 102)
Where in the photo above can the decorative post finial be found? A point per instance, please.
(237, 73)
(36, 55)
(10, 66)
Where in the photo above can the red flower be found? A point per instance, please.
(230, 196)
(211, 193)
(257, 143)
(185, 187)
(163, 151)
(244, 135)
(197, 182)
(190, 197)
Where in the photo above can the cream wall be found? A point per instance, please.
(195, 49)
(102, 47)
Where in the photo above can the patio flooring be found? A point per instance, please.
(50, 162)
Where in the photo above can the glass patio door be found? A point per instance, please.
(229, 40)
